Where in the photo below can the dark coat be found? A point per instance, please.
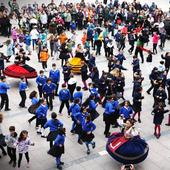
(84, 73)
(158, 115)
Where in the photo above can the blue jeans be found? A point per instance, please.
(34, 42)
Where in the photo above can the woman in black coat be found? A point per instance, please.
(63, 54)
(84, 74)
(95, 76)
(158, 118)
(137, 103)
(66, 72)
(167, 60)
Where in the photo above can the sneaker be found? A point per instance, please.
(10, 162)
(94, 145)
(107, 135)
(158, 136)
(139, 120)
(61, 163)
(72, 131)
(88, 151)
(38, 133)
(59, 167)
(60, 114)
(43, 136)
(148, 92)
(14, 164)
(7, 109)
(80, 142)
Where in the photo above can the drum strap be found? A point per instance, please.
(117, 143)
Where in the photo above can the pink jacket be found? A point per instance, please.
(14, 34)
(155, 39)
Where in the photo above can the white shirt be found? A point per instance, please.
(43, 18)
(72, 81)
(23, 146)
(34, 34)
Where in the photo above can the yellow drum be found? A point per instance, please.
(75, 64)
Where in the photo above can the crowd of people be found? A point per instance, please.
(44, 30)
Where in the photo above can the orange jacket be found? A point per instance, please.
(44, 55)
(62, 38)
(84, 38)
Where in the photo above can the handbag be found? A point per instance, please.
(32, 109)
(149, 58)
(52, 136)
(94, 115)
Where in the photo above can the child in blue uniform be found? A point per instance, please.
(87, 135)
(64, 96)
(4, 87)
(49, 91)
(35, 104)
(54, 124)
(22, 91)
(58, 149)
(108, 116)
(126, 111)
(41, 114)
(78, 94)
(41, 80)
(55, 77)
(74, 109)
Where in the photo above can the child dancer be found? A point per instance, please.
(23, 147)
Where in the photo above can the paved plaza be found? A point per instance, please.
(75, 156)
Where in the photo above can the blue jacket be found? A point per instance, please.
(64, 94)
(49, 88)
(28, 40)
(136, 65)
(3, 88)
(78, 95)
(89, 126)
(34, 101)
(41, 80)
(89, 33)
(109, 109)
(23, 86)
(55, 75)
(74, 108)
(92, 105)
(126, 112)
(94, 92)
(60, 139)
(115, 104)
(53, 124)
(117, 37)
(121, 57)
(41, 111)
(81, 117)
(73, 26)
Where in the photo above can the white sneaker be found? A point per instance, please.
(28, 166)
